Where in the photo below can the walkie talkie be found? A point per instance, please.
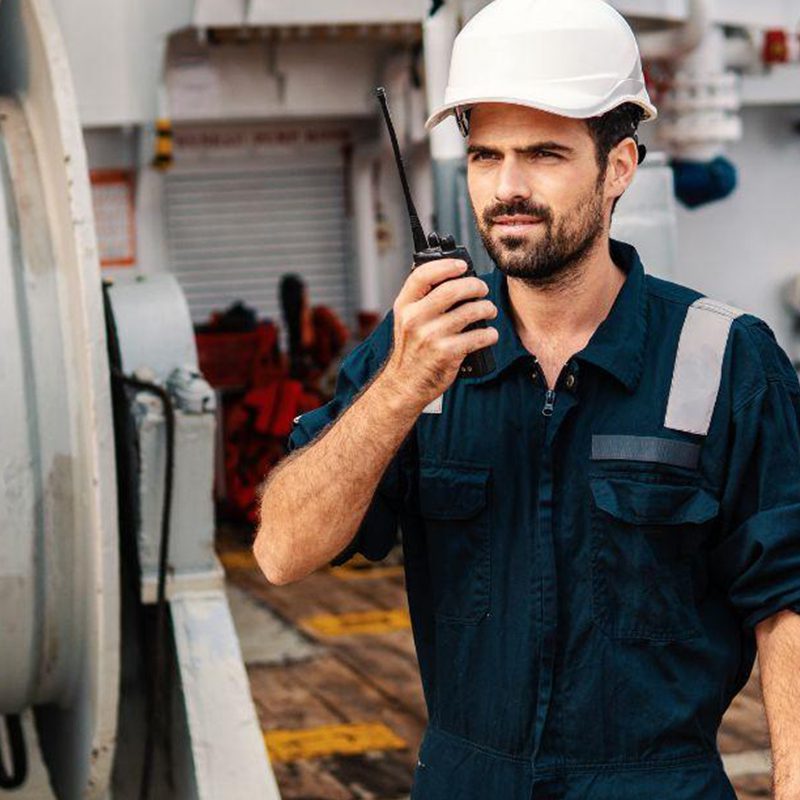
(436, 248)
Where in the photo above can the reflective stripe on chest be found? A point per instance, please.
(697, 374)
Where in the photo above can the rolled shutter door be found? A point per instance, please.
(233, 231)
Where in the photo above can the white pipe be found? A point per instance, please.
(364, 201)
(672, 45)
(701, 110)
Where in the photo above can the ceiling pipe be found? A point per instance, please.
(700, 109)
(673, 44)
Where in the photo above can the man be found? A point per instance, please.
(596, 534)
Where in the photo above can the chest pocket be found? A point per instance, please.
(643, 536)
(454, 502)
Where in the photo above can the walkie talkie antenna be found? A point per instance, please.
(417, 231)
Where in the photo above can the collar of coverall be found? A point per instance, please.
(617, 346)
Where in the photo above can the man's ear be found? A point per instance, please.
(623, 161)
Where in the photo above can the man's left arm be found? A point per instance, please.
(758, 560)
(778, 639)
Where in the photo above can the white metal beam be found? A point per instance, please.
(343, 12)
(228, 752)
(222, 13)
(780, 86)
(674, 10)
(761, 14)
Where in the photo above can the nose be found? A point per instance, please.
(511, 182)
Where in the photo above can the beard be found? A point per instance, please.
(555, 257)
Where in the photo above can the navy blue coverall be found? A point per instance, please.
(583, 581)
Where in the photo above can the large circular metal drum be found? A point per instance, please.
(58, 528)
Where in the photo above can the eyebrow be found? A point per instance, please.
(530, 149)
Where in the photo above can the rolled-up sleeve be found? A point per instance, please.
(758, 558)
(377, 533)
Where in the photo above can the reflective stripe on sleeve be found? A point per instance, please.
(697, 374)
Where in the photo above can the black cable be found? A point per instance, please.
(159, 699)
(19, 756)
(157, 705)
(135, 650)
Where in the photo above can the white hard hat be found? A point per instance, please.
(575, 58)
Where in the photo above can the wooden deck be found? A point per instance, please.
(344, 719)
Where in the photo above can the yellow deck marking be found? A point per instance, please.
(348, 573)
(238, 559)
(358, 622)
(359, 567)
(328, 740)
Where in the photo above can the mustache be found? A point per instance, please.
(522, 207)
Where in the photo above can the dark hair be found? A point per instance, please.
(613, 127)
(608, 130)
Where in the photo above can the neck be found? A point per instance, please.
(556, 321)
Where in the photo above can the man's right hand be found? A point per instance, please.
(429, 342)
(315, 500)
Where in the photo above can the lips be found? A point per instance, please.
(516, 225)
(518, 219)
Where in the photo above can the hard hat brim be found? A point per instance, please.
(579, 111)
